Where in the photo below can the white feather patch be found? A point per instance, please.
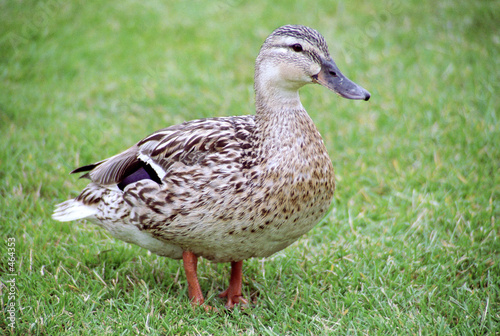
(158, 169)
(73, 210)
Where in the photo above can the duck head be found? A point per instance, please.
(293, 56)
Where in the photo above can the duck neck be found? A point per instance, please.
(272, 98)
(286, 130)
(277, 107)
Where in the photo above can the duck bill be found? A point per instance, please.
(331, 77)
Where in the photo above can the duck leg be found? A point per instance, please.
(190, 261)
(233, 292)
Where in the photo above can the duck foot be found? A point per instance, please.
(190, 262)
(233, 292)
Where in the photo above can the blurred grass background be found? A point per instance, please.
(412, 243)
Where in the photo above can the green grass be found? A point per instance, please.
(412, 243)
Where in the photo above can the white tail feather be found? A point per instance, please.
(73, 210)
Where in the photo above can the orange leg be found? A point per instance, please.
(233, 292)
(190, 265)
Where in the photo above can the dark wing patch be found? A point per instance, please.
(144, 172)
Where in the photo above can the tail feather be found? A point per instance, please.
(73, 210)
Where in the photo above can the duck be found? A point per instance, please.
(226, 189)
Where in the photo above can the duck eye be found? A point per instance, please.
(297, 47)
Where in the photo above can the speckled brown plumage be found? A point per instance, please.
(231, 188)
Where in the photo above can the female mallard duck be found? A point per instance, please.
(231, 188)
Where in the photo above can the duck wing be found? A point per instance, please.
(200, 142)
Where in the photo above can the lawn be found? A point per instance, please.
(411, 246)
